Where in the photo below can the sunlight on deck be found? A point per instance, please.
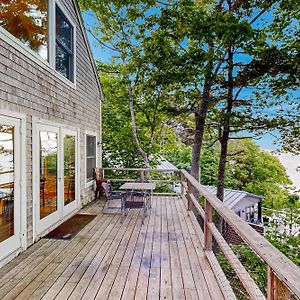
(108, 259)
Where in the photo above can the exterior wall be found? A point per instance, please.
(242, 205)
(33, 89)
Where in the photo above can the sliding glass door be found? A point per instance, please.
(57, 175)
(10, 213)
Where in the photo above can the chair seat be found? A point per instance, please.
(134, 204)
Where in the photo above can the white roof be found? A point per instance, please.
(233, 197)
(165, 165)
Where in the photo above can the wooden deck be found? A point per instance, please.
(162, 259)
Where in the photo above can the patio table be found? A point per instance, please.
(146, 188)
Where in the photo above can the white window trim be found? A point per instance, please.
(91, 133)
(35, 57)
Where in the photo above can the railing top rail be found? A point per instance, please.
(284, 268)
(139, 169)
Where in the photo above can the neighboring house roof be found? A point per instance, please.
(233, 197)
(165, 165)
(88, 45)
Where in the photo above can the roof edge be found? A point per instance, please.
(88, 45)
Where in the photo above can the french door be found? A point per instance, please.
(10, 202)
(70, 171)
(56, 184)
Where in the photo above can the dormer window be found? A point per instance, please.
(64, 46)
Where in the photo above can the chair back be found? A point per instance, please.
(97, 173)
(107, 189)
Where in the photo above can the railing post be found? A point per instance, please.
(276, 289)
(271, 284)
(190, 188)
(207, 220)
(142, 174)
(181, 184)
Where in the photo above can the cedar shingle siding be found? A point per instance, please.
(34, 90)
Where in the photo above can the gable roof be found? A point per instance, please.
(88, 45)
(233, 197)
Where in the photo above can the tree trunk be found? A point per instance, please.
(222, 166)
(200, 119)
(134, 130)
(226, 128)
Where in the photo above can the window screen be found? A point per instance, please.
(90, 156)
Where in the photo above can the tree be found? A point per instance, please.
(249, 169)
(210, 59)
(156, 132)
(115, 29)
(257, 172)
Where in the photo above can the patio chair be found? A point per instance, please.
(98, 177)
(136, 200)
(112, 195)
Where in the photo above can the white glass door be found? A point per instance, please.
(47, 159)
(70, 171)
(10, 212)
(56, 182)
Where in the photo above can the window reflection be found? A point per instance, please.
(6, 182)
(64, 45)
(27, 21)
(69, 169)
(48, 173)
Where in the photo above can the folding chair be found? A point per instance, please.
(112, 195)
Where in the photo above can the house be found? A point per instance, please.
(246, 205)
(50, 115)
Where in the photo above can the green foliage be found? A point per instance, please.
(180, 156)
(249, 169)
(255, 267)
(155, 129)
(288, 245)
(52, 164)
(257, 172)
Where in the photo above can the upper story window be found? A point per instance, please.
(64, 45)
(52, 38)
(27, 20)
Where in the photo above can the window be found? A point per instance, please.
(52, 39)
(64, 46)
(250, 214)
(28, 21)
(90, 156)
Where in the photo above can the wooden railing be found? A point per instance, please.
(143, 175)
(283, 276)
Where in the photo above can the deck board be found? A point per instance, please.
(111, 259)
